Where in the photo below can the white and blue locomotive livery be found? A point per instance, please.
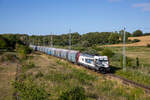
(98, 63)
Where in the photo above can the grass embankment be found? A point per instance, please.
(57, 76)
(139, 74)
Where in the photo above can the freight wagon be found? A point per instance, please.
(98, 63)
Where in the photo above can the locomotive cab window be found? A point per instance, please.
(89, 61)
(82, 59)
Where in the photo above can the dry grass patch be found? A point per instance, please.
(7, 75)
(144, 40)
(60, 75)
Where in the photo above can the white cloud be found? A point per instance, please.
(114, 0)
(143, 6)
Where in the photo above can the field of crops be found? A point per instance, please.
(144, 40)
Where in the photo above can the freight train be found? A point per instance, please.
(97, 63)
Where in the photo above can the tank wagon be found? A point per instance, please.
(98, 63)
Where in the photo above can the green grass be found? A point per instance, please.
(139, 74)
(55, 77)
(59, 76)
(136, 76)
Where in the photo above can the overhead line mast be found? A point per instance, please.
(124, 50)
(70, 39)
(51, 39)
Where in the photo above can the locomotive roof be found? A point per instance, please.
(87, 55)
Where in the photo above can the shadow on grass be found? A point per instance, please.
(113, 69)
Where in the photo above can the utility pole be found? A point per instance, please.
(51, 39)
(43, 41)
(33, 39)
(124, 50)
(28, 38)
(69, 39)
(38, 39)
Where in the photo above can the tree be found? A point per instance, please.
(121, 33)
(85, 44)
(3, 43)
(137, 33)
(113, 38)
(107, 52)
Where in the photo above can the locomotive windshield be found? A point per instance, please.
(101, 62)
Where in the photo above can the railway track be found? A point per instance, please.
(130, 82)
(124, 80)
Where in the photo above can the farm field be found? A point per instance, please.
(57, 76)
(144, 40)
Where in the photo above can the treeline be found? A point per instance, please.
(85, 40)
(9, 41)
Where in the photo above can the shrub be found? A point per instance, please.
(128, 61)
(97, 48)
(137, 33)
(107, 52)
(7, 57)
(135, 40)
(23, 51)
(3, 43)
(116, 57)
(85, 44)
(83, 77)
(90, 51)
(39, 74)
(137, 62)
(76, 93)
(30, 91)
(148, 45)
(28, 66)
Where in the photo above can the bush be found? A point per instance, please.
(135, 40)
(30, 91)
(128, 61)
(107, 52)
(39, 74)
(90, 51)
(137, 62)
(83, 77)
(116, 57)
(76, 93)
(3, 43)
(8, 57)
(148, 45)
(23, 51)
(85, 44)
(28, 66)
(137, 33)
(97, 48)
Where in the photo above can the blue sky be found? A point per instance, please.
(57, 16)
